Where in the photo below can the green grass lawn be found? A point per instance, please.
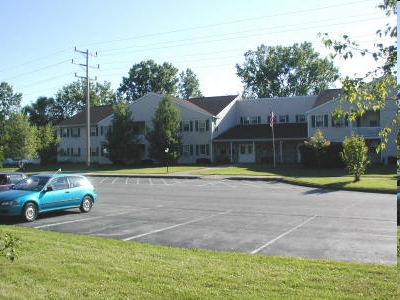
(377, 177)
(64, 266)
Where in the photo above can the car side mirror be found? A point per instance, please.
(48, 188)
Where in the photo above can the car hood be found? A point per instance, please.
(16, 194)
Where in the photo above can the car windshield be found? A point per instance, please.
(33, 183)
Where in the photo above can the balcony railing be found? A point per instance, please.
(367, 132)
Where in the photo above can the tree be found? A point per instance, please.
(122, 142)
(71, 99)
(318, 143)
(188, 85)
(165, 132)
(9, 103)
(373, 90)
(282, 71)
(147, 76)
(354, 155)
(41, 112)
(19, 138)
(47, 142)
(1, 156)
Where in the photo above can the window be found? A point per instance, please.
(64, 152)
(94, 151)
(75, 151)
(203, 149)
(256, 120)
(64, 132)
(104, 130)
(186, 150)
(245, 120)
(283, 119)
(75, 132)
(76, 181)
(93, 131)
(242, 149)
(300, 118)
(341, 122)
(60, 183)
(249, 149)
(319, 121)
(201, 125)
(185, 125)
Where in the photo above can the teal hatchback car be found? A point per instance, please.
(47, 192)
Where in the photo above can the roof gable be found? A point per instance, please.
(326, 96)
(213, 105)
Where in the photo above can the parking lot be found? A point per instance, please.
(258, 217)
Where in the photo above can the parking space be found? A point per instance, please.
(258, 217)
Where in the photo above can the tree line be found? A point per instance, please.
(268, 71)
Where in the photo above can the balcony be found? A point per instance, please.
(368, 132)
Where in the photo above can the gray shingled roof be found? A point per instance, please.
(213, 105)
(287, 131)
(97, 113)
(327, 95)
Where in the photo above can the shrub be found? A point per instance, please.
(203, 161)
(355, 156)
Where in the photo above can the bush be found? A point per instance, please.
(330, 156)
(222, 159)
(203, 161)
(147, 162)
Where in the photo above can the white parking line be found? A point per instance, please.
(126, 180)
(282, 235)
(115, 179)
(174, 226)
(67, 222)
(94, 218)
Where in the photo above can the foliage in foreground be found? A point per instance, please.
(58, 266)
(355, 156)
(8, 246)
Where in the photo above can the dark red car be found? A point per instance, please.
(9, 179)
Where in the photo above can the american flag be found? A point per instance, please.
(271, 120)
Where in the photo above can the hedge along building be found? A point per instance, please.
(230, 129)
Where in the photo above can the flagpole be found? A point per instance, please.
(273, 144)
(271, 124)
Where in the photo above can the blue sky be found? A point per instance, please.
(208, 36)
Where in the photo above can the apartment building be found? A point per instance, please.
(230, 129)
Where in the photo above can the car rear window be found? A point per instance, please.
(14, 178)
(76, 181)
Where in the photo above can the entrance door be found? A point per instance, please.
(246, 153)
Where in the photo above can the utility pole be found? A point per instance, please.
(87, 54)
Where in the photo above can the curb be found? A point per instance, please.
(239, 177)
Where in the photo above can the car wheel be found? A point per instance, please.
(29, 212)
(86, 204)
